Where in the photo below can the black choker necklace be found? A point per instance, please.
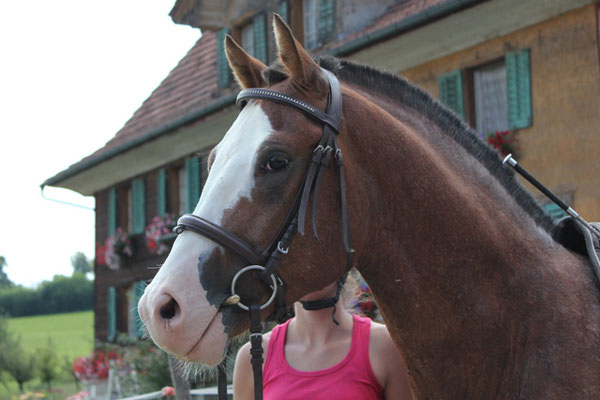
(314, 305)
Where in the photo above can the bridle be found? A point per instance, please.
(268, 260)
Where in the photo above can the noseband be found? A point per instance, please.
(268, 260)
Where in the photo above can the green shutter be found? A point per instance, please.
(161, 192)
(554, 211)
(112, 211)
(138, 290)
(326, 21)
(518, 89)
(451, 94)
(192, 174)
(138, 199)
(112, 314)
(283, 9)
(260, 37)
(224, 74)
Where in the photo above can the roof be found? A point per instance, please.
(190, 91)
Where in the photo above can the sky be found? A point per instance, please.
(72, 72)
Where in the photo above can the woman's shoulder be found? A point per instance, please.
(381, 343)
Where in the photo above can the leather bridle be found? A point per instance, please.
(268, 260)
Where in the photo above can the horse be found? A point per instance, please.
(480, 299)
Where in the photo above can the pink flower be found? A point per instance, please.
(168, 391)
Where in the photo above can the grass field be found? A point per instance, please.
(72, 335)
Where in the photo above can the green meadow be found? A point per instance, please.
(71, 335)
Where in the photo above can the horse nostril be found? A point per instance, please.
(169, 310)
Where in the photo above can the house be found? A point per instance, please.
(525, 66)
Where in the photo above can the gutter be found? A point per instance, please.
(137, 141)
(422, 18)
(414, 21)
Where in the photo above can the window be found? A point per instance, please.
(491, 108)
(319, 22)
(499, 95)
(283, 9)
(311, 16)
(248, 39)
(252, 34)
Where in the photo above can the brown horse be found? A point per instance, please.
(480, 299)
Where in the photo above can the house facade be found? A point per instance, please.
(523, 66)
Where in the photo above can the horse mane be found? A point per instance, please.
(399, 89)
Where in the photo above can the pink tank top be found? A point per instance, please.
(351, 378)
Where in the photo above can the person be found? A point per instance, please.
(325, 354)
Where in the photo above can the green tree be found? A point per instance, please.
(4, 281)
(80, 263)
(13, 359)
(48, 364)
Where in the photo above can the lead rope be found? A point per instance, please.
(222, 377)
(256, 350)
(257, 360)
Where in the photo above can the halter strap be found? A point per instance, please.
(219, 235)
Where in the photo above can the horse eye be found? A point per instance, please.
(277, 164)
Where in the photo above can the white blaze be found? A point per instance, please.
(231, 176)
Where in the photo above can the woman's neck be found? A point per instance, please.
(317, 327)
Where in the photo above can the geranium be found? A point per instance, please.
(363, 301)
(168, 391)
(505, 142)
(159, 227)
(114, 249)
(96, 366)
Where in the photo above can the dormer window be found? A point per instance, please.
(248, 39)
(311, 16)
(319, 22)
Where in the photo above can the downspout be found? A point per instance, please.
(43, 186)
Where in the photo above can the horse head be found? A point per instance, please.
(255, 174)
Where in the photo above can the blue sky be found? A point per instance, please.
(72, 73)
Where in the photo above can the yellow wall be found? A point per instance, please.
(562, 148)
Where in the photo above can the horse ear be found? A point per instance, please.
(246, 69)
(301, 66)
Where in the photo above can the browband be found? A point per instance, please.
(277, 97)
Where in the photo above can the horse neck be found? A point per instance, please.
(456, 266)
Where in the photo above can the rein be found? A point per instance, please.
(268, 260)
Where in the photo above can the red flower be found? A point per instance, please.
(101, 254)
(168, 391)
(502, 141)
(94, 367)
